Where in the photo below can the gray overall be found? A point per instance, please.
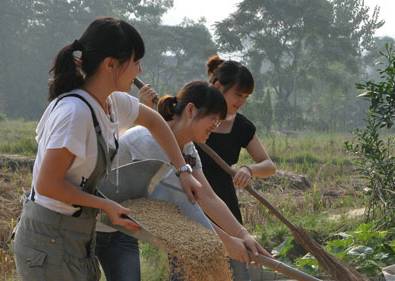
(51, 246)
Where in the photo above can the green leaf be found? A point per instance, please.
(360, 251)
(282, 249)
(381, 256)
(392, 245)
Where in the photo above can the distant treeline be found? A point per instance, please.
(306, 55)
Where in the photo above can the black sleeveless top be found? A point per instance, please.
(228, 146)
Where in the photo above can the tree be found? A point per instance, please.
(288, 42)
(33, 31)
(267, 112)
(176, 54)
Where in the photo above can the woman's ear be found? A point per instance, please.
(191, 110)
(218, 85)
(109, 64)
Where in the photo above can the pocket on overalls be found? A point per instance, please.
(29, 263)
(38, 257)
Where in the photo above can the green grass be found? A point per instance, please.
(17, 137)
(323, 159)
(154, 263)
(306, 150)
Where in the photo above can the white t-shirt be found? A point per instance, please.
(137, 143)
(70, 125)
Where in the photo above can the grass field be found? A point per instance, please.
(17, 137)
(334, 202)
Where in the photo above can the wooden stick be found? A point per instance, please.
(281, 267)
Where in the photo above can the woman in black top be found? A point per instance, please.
(236, 83)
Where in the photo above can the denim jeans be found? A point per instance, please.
(239, 270)
(119, 257)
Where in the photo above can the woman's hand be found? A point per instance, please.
(148, 96)
(242, 177)
(236, 249)
(191, 186)
(251, 244)
(117, 215)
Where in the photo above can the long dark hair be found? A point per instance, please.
(207, 99)
(104, 37)
(230, 73)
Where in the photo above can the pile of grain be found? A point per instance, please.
(198, 254)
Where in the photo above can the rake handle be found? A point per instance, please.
(281, 267)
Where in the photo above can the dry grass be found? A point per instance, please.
(12, 185)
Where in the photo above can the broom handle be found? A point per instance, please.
(281, 267)
(217, 159)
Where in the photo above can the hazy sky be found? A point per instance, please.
(216, 10)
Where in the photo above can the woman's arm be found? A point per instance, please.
(234, 246)
(51, 183)
(162, 133)
(262, 168)
(215, 208)
(220, 214)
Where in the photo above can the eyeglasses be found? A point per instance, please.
(216, 121)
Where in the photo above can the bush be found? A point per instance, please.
(3, 117)
(372, 152)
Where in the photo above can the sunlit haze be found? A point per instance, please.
(217, 10)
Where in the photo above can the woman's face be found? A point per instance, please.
(202, 127)
(126, 73)
(235, 99)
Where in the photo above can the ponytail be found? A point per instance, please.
(104, 37)
(212, 64)
(167, 107)
(66, 74)
(229, 73)
(207, 99)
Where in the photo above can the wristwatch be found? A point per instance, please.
(184, 169)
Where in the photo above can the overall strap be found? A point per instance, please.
(101, 146)
(95, 122)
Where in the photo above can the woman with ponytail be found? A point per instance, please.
(236, 84)
(192, 115)
(77, 140)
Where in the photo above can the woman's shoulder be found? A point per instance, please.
(141, 144)
(69, 108)
(123, 97)
(126, 108)
(244, 122)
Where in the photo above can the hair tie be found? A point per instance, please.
(77, 46)
(173, 104)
